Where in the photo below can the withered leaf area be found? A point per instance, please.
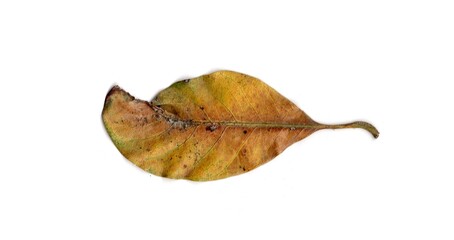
(207, 128)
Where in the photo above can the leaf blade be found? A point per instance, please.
(207, 128)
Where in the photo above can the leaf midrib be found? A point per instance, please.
(173, 120)
(255, 124)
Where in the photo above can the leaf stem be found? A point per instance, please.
(358, 124)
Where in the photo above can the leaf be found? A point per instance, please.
(207, 128)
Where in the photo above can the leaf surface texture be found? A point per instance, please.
(207, 128)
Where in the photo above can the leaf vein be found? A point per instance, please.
(199, 161)
(238, 152)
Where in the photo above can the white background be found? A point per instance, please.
(387, 62)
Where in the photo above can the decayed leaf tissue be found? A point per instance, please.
(207, 128)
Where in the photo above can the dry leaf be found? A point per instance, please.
(207, 128)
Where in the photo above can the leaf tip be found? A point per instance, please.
(113, 89)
